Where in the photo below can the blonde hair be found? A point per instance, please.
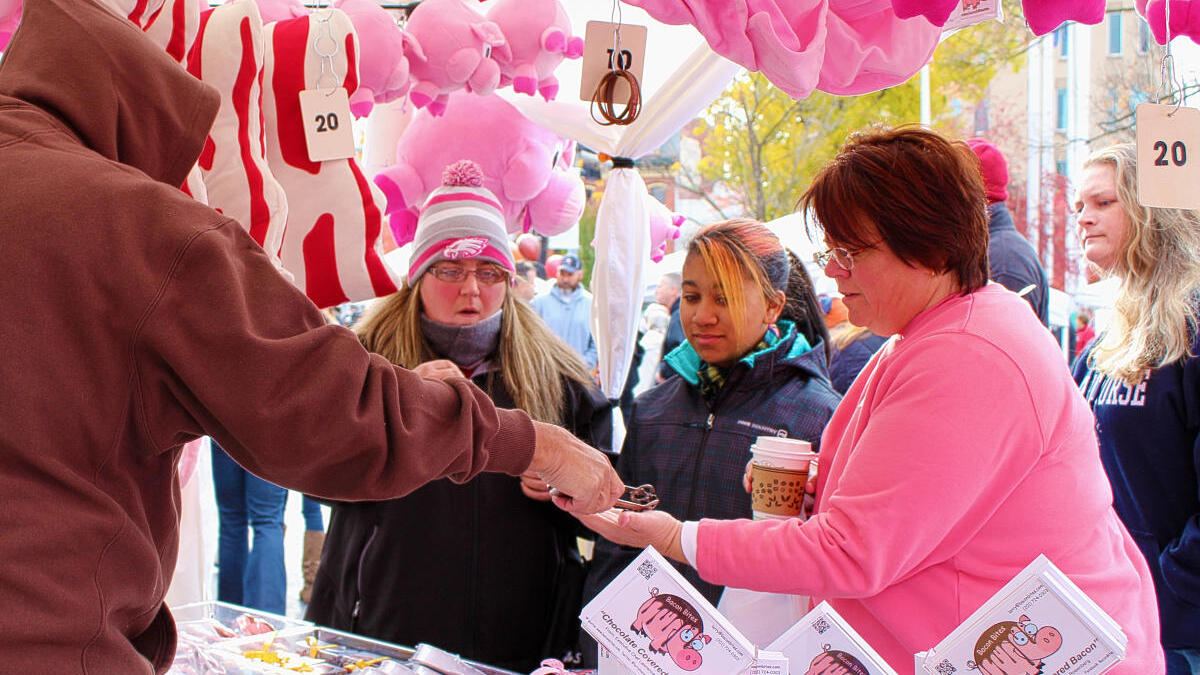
(1159, 268)
(740, 248)
(532, 360)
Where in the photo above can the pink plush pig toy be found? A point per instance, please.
(525, 165)
(539, 38)
(1185, 18)
(664, 227)
(10, 16)
(449, 47)
(382, 67)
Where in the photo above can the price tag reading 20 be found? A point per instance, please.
(328, 133)
(1166, 136)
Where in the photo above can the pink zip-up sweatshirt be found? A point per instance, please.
(961, 452)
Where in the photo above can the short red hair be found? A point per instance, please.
(914, 189)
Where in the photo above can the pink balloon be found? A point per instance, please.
(552, 265)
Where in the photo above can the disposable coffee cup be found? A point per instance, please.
(779, 470)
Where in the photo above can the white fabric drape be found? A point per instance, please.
(188, 581)
(622, 242)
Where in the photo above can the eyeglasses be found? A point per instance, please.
(843, 257)
(487, 275)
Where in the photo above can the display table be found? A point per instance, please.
(218, 637)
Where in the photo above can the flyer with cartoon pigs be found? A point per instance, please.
(653, 622)
(1040, 623)
(822, 642)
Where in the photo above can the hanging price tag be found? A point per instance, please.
(602, 52)
(1168, 151)
(327, 129)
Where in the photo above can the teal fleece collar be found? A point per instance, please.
(685, 361)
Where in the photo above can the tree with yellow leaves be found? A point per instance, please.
(766, 147)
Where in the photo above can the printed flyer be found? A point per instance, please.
(653, 622)
(822, 642)
(1040, 622)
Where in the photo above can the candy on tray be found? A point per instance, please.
(248, 624)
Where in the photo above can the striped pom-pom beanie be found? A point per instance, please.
(460, 220)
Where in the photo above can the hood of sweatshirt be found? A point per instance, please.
(110, 85)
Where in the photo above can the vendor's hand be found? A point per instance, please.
(534, 487)
(639, 530)
(438, 369)
(584, 478)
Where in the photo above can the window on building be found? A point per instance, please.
(1061, 38)
(1114, 33)
(1143, 41)
(1061, 111)
(1061, 167)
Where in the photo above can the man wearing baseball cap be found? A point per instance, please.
(567, 309)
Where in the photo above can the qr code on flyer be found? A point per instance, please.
(820, 625)
(946, 668)
(646, 569)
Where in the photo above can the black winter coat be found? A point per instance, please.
(468, 568)
(694, 451)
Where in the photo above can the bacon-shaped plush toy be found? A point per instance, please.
(332, 239)
(172, 24)
(228, 54)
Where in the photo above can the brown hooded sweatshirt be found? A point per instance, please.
(138, 320)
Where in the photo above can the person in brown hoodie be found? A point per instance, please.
(149, 320)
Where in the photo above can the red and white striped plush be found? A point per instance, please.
(172, 24)
(332, 242)
(228, 54)
(193, 185)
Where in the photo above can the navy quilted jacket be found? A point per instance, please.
(694, 451)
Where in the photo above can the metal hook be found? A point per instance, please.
(1170, 86)
(616, 17)
(325, 34)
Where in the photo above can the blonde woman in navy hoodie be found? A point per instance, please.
(1142, 378)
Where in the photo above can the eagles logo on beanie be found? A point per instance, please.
(460, 220)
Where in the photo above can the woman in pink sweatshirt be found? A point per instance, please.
(961, 452)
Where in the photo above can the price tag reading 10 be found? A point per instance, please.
(328, 132)
(1168, 152)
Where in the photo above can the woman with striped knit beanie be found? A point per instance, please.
(481, 569)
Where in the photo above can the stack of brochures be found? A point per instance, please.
(822, 642)
(653, 622)
(1039, 622)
